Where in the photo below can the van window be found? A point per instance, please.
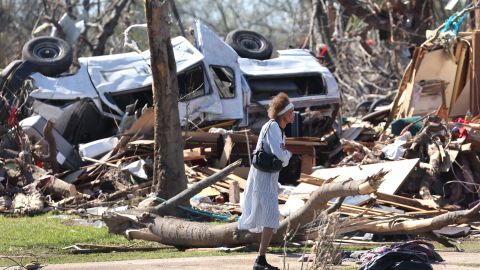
(191, 83)
(225, 81)
(266, 87)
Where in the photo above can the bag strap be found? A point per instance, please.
(265, 133)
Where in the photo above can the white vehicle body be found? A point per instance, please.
(214, 82)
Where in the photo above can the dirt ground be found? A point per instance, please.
(453, 261)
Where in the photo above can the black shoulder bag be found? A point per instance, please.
(264, 161)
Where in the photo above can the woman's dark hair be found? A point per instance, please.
(279, 102)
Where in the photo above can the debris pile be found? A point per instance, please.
(411, 167)
(84, 139)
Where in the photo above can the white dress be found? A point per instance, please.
(260, 203)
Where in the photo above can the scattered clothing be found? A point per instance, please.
(416, 255)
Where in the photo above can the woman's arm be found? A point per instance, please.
(275, 141)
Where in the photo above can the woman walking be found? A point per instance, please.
(260, 212)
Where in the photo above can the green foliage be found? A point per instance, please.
(355, 24)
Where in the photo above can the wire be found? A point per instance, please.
(462, 183)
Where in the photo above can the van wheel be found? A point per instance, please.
(50, 55)
(362, 108)
(379, 103)
(250, 44)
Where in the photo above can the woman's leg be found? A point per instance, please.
(261, 262)
(265, 241)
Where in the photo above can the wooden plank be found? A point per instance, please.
(142, 142)
(364, 211)
(189, 137)
(462, 104)
(462, 70)
(406, 99)
(227, 151)
(234, 192)
(188, 155)
(308, 162)
(305, 178)
(298, 147)
(398, 171)
(475, 83)
(304, 141)
(401, 200)
(144, 124)
(242, 172)
(403, 206)
(100, 162)
(399, 101)
(242, 183)
(209, 192)
(195, 136)
(426, 212)
(346, 241)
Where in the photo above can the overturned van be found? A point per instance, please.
(215, 84)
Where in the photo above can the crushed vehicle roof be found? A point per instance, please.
(289, 62)
(111, 73)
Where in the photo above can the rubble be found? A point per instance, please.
(410, 168)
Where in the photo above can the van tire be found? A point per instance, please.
(250, 44)
(50, 55)
(379, 103)
(362, 108)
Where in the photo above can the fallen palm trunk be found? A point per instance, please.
(392, 226)
(181, 233)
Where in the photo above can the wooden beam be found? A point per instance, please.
(227, 151)
(305, 178)
(477, 15)
(401, 200)
(186, 194)
(475, 83)
(242, 183)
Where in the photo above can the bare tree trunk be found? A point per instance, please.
(421, 12)
(418, 11)
(326, 26)
(417, 226)
(177, 17)
(356, 8)
(109, 27)
(182, 233)
(169, 173)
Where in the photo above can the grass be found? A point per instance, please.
(47, 236)
(466, 245)
(45, 233)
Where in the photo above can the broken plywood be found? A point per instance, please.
(398, 171)
(462, 103)
(438, 65)
(427, 97)
(475, 84)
